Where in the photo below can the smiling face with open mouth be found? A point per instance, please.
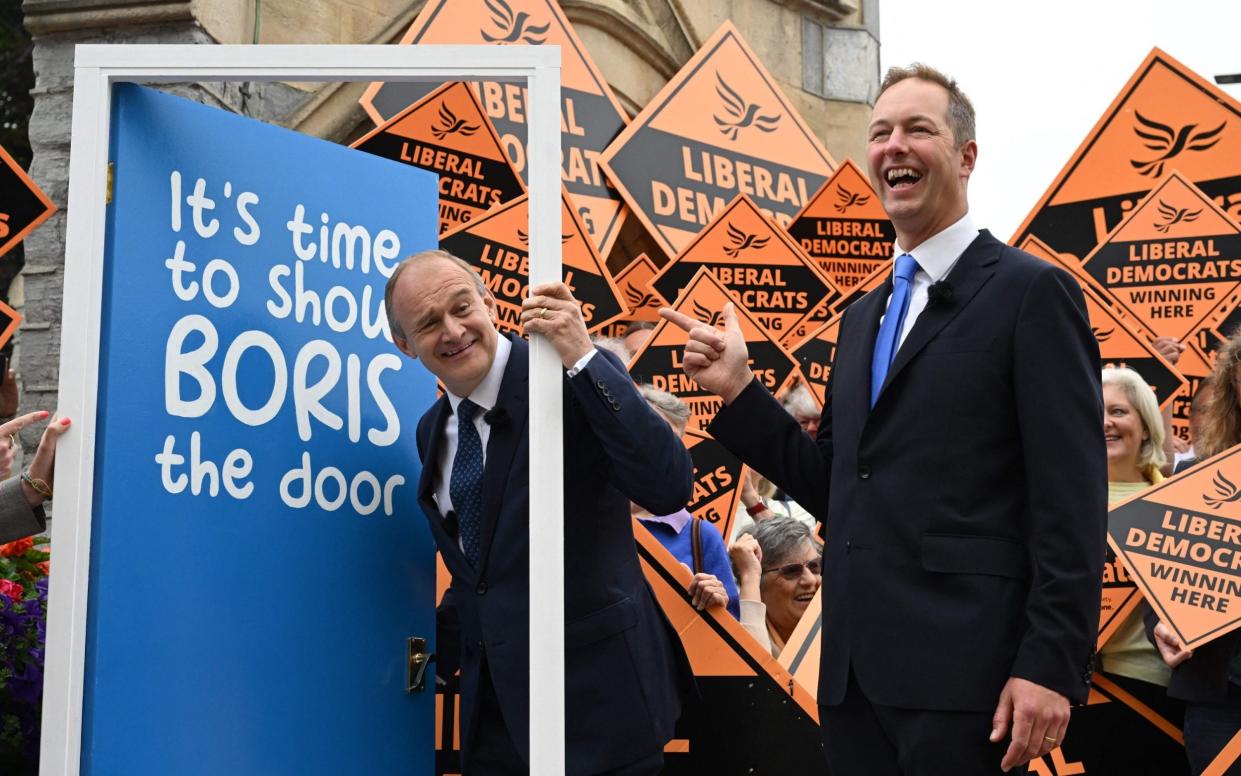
(787, 594)
(914, 162)
(448, 324)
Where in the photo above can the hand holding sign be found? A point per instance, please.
(1170, 646)
(552, 311)
(717, 361)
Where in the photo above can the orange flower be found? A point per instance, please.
(44, 566)
(17, 548)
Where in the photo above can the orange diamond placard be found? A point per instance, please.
(717, 481)
(1120, 344)
(634, 282)
(23, 205)
(1181, 541)
(758, 262)
(447, 133)
(816, 354)
(590, 114)
(659, 361)
(1167, 117)
(844, 228)
(497, 244)
(1171, 260)
(721, 127)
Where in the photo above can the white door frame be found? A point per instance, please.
(96, 69)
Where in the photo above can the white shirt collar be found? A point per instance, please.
(486, 393)
(937, 255)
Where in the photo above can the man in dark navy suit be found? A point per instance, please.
(959, 467)
(625, 669)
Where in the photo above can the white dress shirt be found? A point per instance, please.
(936, 257)
(484, 396)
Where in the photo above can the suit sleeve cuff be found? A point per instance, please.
(581, 363)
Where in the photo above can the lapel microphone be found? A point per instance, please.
(939, 292)
(496, 417)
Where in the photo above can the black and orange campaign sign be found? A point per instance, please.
(497, 244)
(844, 227)
(717, 481)
(1120, 343)
(1181, 541)
(816, 354)
(1195, 364)
(758, 262)
(590, 115)
(719, 128)
(1166, 117)
(659, 363)
(9, 320)
(634, 281)
(1171, 260)
(23, 205)
(447, 133)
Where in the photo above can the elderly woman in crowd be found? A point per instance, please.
(1208, 679)
(712, 584)
(22, 496)
(779, 569)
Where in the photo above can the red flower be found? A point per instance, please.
(44, 566)
(17, 548)
(13, 590)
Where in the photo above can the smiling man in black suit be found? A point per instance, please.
(959, 466)
(625, 669)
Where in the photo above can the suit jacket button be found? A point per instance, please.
(481, 589)
(848, 547)
(863, 472)
(600, 384)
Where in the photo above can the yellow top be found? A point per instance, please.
(1129, 653)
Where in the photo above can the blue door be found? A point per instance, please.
(258, 557)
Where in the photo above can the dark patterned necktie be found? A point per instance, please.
(465, 486)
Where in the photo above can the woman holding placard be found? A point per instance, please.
(1208, 679)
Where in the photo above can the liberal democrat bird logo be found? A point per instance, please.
(524, 236)
(1225, 492)
(449, 124)
(848, 199)
(706, 316)
(1102, 335)
(741, 114)
(1170, 142)
(1175, 215)
(739, 241)
(513, 27)
(638, 299)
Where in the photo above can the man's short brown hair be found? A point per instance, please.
(960, 109)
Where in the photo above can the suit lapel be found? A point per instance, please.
(426, 485)
(972, 271)
(505, 439)
(868, 310)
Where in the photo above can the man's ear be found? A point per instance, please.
(489, 301)
(969, 156)
(403, 345)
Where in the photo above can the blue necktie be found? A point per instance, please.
(465, 485)
(893, 322)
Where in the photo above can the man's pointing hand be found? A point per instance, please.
(717, 360)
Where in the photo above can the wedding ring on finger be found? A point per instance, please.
(542, 312)
(12, 441)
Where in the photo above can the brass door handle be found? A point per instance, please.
(417, 661)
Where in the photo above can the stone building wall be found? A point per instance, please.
(823, 52)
